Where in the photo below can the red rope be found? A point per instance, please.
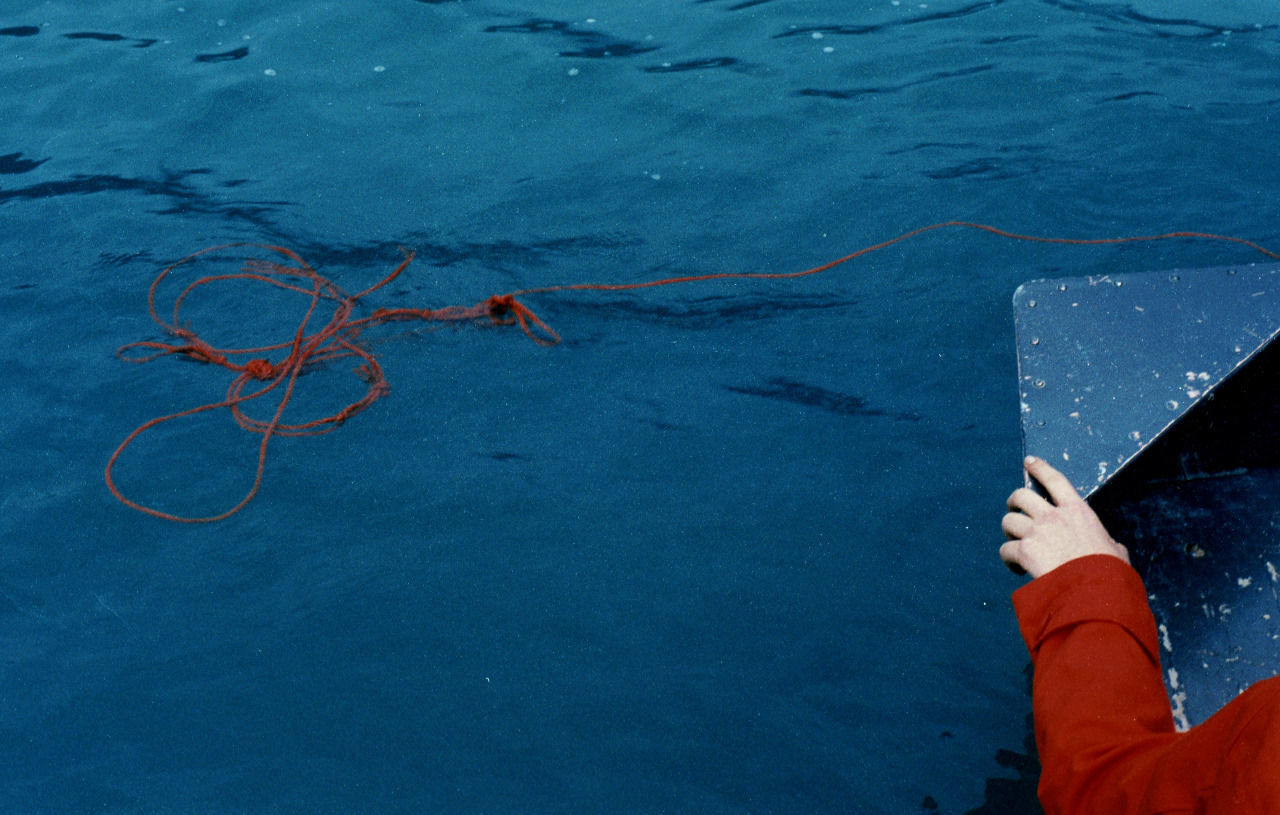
(884, 245)
(257, 376)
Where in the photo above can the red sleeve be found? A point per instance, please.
(1098, 698)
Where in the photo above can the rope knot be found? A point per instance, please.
(505, 309)
(500, 307)
(260, 369)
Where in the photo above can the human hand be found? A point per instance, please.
(1046, 533)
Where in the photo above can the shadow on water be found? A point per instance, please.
(1004, 795)
(1014, 796)
(803, 393)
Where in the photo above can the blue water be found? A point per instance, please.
(728, 548)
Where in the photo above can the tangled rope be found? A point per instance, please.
(256, 375)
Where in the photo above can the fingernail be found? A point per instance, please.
(1029, 460)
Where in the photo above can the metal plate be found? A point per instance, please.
(1107, 364)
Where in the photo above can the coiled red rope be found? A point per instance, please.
(256, 376)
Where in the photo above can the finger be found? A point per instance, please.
(1028, 501)
(1016, 525)
(1055, 483)
(1011, 554)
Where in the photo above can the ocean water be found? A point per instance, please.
(729, 547)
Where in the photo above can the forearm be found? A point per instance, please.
(1098, 697)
